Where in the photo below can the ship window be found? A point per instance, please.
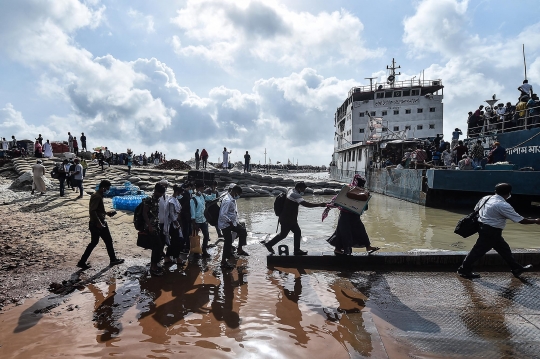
(380, 95)
(432, 109)
(407, 111)
(361, 130)
(432, 126)
(396, 128)
(384, 113)
(388, 94)
(353, 152)
(419, 127)
(361, 114)
(419, 110)
(407, 127)
(397, 93)
(359, 154)
(396, 112)
(406, 92)
(372, 113)
(415, 93)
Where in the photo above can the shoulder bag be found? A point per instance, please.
(469, 225)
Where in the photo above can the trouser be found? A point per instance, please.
(101, 163)
(490, 238)
(218, 231)
(79, 184)
(246, 167)
(62, 185)
(285, 229)
(157, 246)
(95, 234)
(206, 236)
(83, 146)
(68, 182)
(185, 222)
(71, 147)
(197, 164)
(84, 172)
(129, 170)
(477, 162)
(227, 235)
(176, 245)
(204, 163)
(76, 150)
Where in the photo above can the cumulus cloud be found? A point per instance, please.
(225, 31)
(145, 22)
(12, 123)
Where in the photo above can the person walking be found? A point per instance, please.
(204, 158)
(151, 219)
(62, 176)
(83, 142)
(493, 212)
(78, 177)
(228, 223)
(70, 142)
(99, 228)
(38, 172)
(197, 159)
(226, 157)
(198, 220)
(47, 150)
(247, 160)
(289, 218)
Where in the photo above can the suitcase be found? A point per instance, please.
(350, 204)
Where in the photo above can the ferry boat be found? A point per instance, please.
(396, 116)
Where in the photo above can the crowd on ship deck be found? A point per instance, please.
(524, 114)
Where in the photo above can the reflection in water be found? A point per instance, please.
(392, 224)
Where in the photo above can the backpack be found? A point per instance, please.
(138, 218)
(211, 211)
(54, 173)
(279, 203)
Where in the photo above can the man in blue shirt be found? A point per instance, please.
(198, 220)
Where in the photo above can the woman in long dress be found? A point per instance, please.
(38, 150)
(350, 232)
(47, 150)
(38, 171)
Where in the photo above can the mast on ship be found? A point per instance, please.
(392, 77)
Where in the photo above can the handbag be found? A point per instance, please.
(358, 194)
(469, 225)
(144, 240)
(195, 243)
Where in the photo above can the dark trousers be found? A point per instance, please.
(227, 235)
(490, 238)
(218, 231)
(62, 185)
(158, 244)
(176, 245)
(246, 167)
(285, 229)
(204, 162)
(95, 234)
(83, 146)
(197, 164)
(206, 236)
(185, 222)
(79, 184)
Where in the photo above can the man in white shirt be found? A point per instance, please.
(5, 144)
(525, 88)
(228, 222)
(494, 211)
(78, 177)
(226, 157)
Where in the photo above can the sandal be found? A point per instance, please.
(373, 250)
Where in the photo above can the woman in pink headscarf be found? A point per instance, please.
(38, 150)
(350, 232)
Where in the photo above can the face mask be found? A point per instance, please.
(509, 196)
(179, 197)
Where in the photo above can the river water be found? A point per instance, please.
(392, 224)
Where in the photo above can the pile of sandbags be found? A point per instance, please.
(176, 165)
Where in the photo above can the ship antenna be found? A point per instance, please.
(393, 74)
(370, 82)
(524, 62)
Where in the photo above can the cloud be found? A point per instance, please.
(145, 22)
(226, 31)
(13, 123)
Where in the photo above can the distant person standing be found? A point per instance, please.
(289, 218)
(493, 212)
(40, 139)
(477, 153)
(13, 143)
(62, 176)
(5, 144)
(38, 172)
(99, 228)
(247, 160)
(38, 150)
(108, 156)
(460, 150)
(455, 136)
(70, 142)
(75, 146)
(47, 150)
(101, 159)
(497, 154)
(129, 161)
(197, 159)
(83, 142)
(78, 177)
(84, 166)
(525, 89)
(204, 158)
(226, 158)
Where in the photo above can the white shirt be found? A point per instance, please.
(496, 211)
(163, 211)
(5, 145)
(225, 156)
(78, 176)
(295, 196)
(228, 212)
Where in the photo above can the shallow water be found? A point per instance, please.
(392, 224)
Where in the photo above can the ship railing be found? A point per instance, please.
(493, 124)
(341, 174)
(396, 85)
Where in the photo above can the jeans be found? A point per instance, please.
(477, 162)
(206, 236)
(490, 238)
(227, 246)
(95, 234)
(62, 185)
(285, 229)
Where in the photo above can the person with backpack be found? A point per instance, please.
(172, 227)
(151, 220)
(228, 223)
(99, 228)
(198, 220)
(288, 217)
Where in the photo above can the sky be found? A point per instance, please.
(174, 76)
